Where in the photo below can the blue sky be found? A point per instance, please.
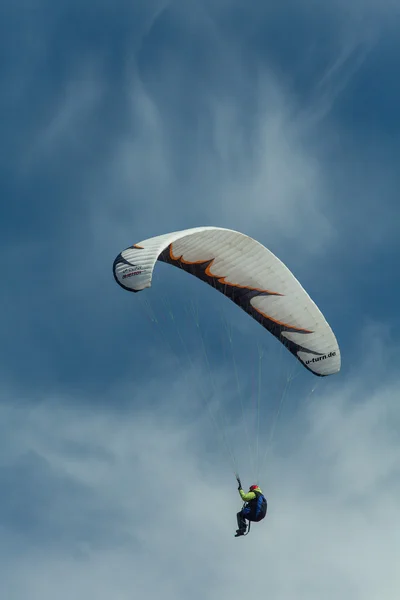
(126, 120)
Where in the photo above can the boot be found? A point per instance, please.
(240, 532)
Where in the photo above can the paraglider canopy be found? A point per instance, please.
(248, 274)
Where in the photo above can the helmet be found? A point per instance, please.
(253, 487)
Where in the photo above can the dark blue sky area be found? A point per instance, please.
(70, 74)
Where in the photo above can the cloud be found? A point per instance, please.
(265, 180)
(122, 501)
(240, 151)
(219, 135)
(66, 126)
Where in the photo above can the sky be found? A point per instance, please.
(121, 415)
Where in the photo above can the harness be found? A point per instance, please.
(258, 505)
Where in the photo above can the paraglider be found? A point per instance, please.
(259, 283)
(254, 508)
